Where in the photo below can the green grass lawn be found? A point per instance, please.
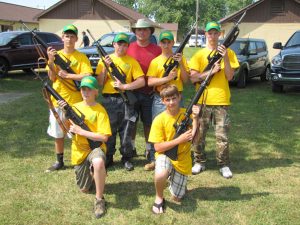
(264, 146)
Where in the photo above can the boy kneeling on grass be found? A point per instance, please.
(90, 163)
(161, 134)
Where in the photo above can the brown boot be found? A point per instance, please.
(149, 166)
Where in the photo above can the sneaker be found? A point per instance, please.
(99, 207)
(55, 166)
(149, 166)
(225, 171)
(128, 166)
(198, 168)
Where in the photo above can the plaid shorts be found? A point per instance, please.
(178, 181)
(84, 178)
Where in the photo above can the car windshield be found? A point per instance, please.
(294, 40)
(6, 37)
(238, 47)
(106, 40)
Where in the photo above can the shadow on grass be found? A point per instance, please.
(252, 165)
(228, 193)
(128, 194)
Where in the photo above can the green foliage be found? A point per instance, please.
(183, 12)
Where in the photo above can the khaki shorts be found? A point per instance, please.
(178, 181)
(84, 177)
(54, 129)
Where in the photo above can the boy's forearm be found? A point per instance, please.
(167, 145)
(93, 136)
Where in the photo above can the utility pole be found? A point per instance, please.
(196, 29)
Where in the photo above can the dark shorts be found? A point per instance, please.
(143, 107)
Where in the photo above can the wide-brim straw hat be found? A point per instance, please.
(143, 23)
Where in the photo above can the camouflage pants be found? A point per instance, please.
(219, 118)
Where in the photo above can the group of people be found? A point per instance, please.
(158, 103)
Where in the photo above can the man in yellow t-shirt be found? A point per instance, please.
(90, 163)
(121, 114)
(155, 74)
(161, 135)
(215, 100)
(63, 83)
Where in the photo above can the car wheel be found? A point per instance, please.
(241, 83)
(277, 87)
(3, 68)
(265, 76)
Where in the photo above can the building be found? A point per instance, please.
(272, 20)
(99, 16)
(11, 14)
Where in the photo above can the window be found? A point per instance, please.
(260, 46)
(252, 47)
(277, 6)
(24, 39)
(49, 38)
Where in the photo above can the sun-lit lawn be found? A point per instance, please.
(264, 145)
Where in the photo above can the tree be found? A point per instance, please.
(183, 12)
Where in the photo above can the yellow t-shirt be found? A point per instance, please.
(156, 69)
(96, 118)
(130, 67)
(162, 130)
(217, 92)
(66, 88)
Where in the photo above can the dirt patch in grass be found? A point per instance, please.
(11, 96)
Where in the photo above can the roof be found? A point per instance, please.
(239, 12)
(26, 14)
(128, 13)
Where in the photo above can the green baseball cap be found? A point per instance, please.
(166, 35)
(212, 25)
(121, 37)
(90, 82)
(70, 27)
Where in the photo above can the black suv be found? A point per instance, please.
(106, 42)
(18, 51)
(253, 58)
(285, 68)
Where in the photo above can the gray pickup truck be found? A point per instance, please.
(285, 67)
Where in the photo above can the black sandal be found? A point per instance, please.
(159, 206)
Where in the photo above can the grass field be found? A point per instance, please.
(264, 145)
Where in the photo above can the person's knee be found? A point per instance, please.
(98, 164)
(162, 174)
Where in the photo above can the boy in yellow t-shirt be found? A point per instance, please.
(63, 83)
(161, 134)
(121, 114)
(215, 100)
(90, 163)
(178, 76)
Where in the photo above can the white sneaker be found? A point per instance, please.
(198, 168)
(225, 171)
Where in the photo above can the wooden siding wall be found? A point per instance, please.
(83, 10)
(263, 13)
